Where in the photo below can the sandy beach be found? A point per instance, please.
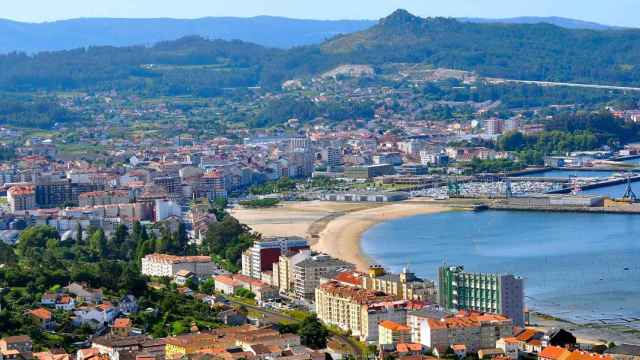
(333, 228)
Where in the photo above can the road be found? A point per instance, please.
(551, 83)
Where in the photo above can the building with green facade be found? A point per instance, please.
(489, 293)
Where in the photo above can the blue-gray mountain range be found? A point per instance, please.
(277, 32)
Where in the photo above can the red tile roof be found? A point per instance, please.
(393, 326)
(42, 314)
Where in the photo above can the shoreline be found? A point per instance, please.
(341, 237)
(337, 229)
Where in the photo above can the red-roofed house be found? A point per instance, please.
(121, 327)
(42, 317)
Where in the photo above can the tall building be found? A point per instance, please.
(21, 198)
(265, 252)
(494, 126)
(333, 157)
(213, 186)
(358, 310)
(283, 270)
(300, 163)
(308, 272)
(489, 293)
(171, 184)
(53, 191)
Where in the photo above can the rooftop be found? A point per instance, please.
(173, 259)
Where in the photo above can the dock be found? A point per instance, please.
(596, 185)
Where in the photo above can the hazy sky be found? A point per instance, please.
(613, 12)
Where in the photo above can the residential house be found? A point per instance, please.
(510, 346)
(65, 302)
(182, 277)
(121, 327)
(42, 317)
(84, 294)
(128, 304)
(100, 315)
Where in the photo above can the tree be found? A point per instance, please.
(182, 239)
(79, 240)
(312, 333)
(208, 286)
(36, 237)
(98, 242)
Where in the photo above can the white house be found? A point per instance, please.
(102, 314)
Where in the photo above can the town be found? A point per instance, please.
(183, 221)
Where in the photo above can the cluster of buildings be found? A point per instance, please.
(85, 306)
(240, 342)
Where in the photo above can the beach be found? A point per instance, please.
(333, 228)
(337, 228)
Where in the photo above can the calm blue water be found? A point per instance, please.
(574, 264)
(568, 173)
(614, 192)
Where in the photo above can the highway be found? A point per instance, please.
(551, 83)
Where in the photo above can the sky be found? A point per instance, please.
(610, 12)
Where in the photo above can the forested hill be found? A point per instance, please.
(519, 51)
(194, 65)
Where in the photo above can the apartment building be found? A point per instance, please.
(308, 272)
(53, 191)
(283, 270)
(390, 332)
(489, 293)
(21, 198)
(265, 252)
(474, 330)
(95, 198)
(168, 265)
(357, 310)
(405, 285)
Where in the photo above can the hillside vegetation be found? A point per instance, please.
(197, 66)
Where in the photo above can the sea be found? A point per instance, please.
(579, 267)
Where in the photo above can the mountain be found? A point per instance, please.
(520, 51)
(268, 31)
(198, 66)
(553, 20)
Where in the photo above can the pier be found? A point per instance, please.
(596, 185)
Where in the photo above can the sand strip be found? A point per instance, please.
(341, 237)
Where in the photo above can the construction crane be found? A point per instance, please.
(629, 195)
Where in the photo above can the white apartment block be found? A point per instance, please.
(168, 265)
